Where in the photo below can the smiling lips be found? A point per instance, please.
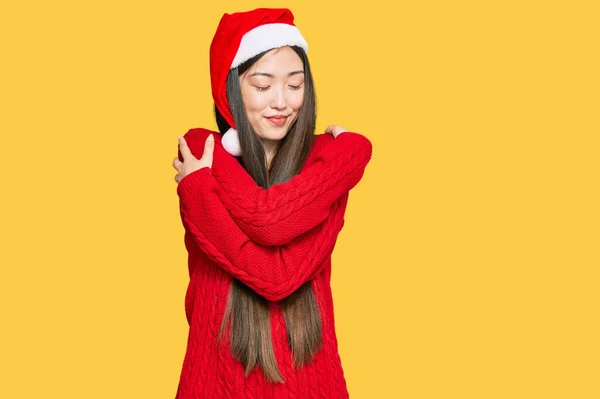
(277, 120)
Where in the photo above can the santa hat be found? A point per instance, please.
(239, 37)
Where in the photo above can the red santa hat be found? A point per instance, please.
(239, 37)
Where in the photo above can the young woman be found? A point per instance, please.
(262, 202)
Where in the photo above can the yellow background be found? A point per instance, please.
(468, 265)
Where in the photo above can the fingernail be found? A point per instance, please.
(178, 137)
(211, 137)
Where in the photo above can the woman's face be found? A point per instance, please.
(274, 85)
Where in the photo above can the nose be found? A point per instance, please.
(278, 99)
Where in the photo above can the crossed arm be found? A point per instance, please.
(277, 215)
(272, 271)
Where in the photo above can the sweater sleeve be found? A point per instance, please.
(272, 271)
(275, 216)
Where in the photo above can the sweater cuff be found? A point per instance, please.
(190, 182)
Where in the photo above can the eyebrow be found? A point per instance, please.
(272, 76)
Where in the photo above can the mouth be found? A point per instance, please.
(277, 121)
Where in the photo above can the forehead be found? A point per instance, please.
(278, 62)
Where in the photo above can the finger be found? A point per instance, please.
(183, 147)
(177, 163)
(209, 147)
(176, 178)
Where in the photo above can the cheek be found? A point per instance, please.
(255, 101)
(296, 100)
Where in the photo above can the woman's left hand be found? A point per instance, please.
(190, 162)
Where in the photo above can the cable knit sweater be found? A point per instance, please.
(273, 241)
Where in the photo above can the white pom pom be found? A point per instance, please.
(231, 142)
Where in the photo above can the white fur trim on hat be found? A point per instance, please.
(266, 37)
(231, 142)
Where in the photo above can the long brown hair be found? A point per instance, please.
(249, 313)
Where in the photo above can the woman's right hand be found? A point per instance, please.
(335, 130)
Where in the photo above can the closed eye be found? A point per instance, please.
(261, 88)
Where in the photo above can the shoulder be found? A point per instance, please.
(320, 141)
(196, 137)
(352, 139)
(200, 134)
(325, 144)
(324, 138)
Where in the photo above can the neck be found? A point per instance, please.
(270, 147)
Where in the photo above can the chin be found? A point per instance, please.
(272, 134)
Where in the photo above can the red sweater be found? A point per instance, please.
(273, 241)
